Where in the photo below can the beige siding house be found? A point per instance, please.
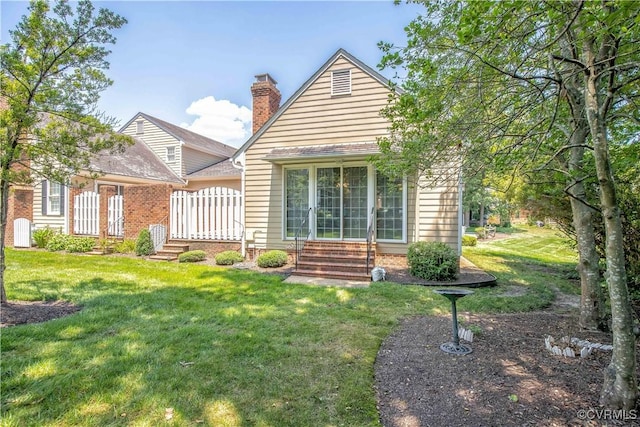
(306, 169)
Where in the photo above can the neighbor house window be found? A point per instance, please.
(140, 127)
(341, 82)
(296, 200)
(52, 193)
(389, 208)
(171, 154)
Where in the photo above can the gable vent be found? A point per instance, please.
(341, 82)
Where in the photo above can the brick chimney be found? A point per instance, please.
(266, 99)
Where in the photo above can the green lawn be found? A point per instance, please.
(220, 346)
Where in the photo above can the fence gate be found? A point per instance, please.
(21, 233)
(115, 216)
(86, 213)
(210, 214)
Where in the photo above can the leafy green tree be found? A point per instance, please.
(522, 87)
(53, 71)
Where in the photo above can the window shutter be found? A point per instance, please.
(44, 185)
(341, 82)
(62, 193)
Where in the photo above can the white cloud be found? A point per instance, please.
(221, 120)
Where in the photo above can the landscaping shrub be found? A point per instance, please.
(432, 261)
(192, 256)
(228, 258)
(481, 232)
(272, 259)
(64, 242)
(127, 246)
(42, 236)
(57, 242)
(79, 244)
(468, 240)
(144, 244)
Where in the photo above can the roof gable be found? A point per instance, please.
(190, 139)
(341, 53)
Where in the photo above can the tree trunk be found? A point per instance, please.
(592, 313)
(481, 214)
(591, 297)
(4, 208)
(620, 384)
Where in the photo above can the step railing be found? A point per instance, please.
(370, 236)
(115, 227)
(300, 240)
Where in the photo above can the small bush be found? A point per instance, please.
(42, 236)
(127, 246)
(272, 259)
(79, 244)
(228, 258)
(481, 232)
(468, 240)
(144, 244)
(192, 256)
(432, 261)
(57, 242)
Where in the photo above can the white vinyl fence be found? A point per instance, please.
(210, 214)
(86, 213)
(115, 216)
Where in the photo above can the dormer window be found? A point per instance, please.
(140, 127)
(341, 82)
(171, 154)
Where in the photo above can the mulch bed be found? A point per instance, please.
(21, 312)
(509, 379)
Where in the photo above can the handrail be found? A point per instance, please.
(370, 238)
(118, 230)
(299, 241)
(167, 232)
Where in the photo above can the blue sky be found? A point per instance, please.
(202, 56)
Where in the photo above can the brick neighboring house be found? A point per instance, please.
(51, 204)
(163, 159)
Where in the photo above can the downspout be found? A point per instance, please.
(239, 164)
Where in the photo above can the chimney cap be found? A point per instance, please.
(266, 78)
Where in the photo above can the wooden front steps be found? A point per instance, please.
(170, 251)
(335, 260)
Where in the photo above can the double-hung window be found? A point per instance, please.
(52, 193)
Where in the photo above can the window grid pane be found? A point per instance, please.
(355, 202)
(54, 198)
(297, 199)
(328, 196)
(389, 198)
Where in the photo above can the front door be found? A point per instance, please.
(341, 195)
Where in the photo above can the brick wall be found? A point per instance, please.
(71, 203)
(20, 206)
(266, 100)
(145, 205)
(391, 260)
(211, 247)
(105, 192)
